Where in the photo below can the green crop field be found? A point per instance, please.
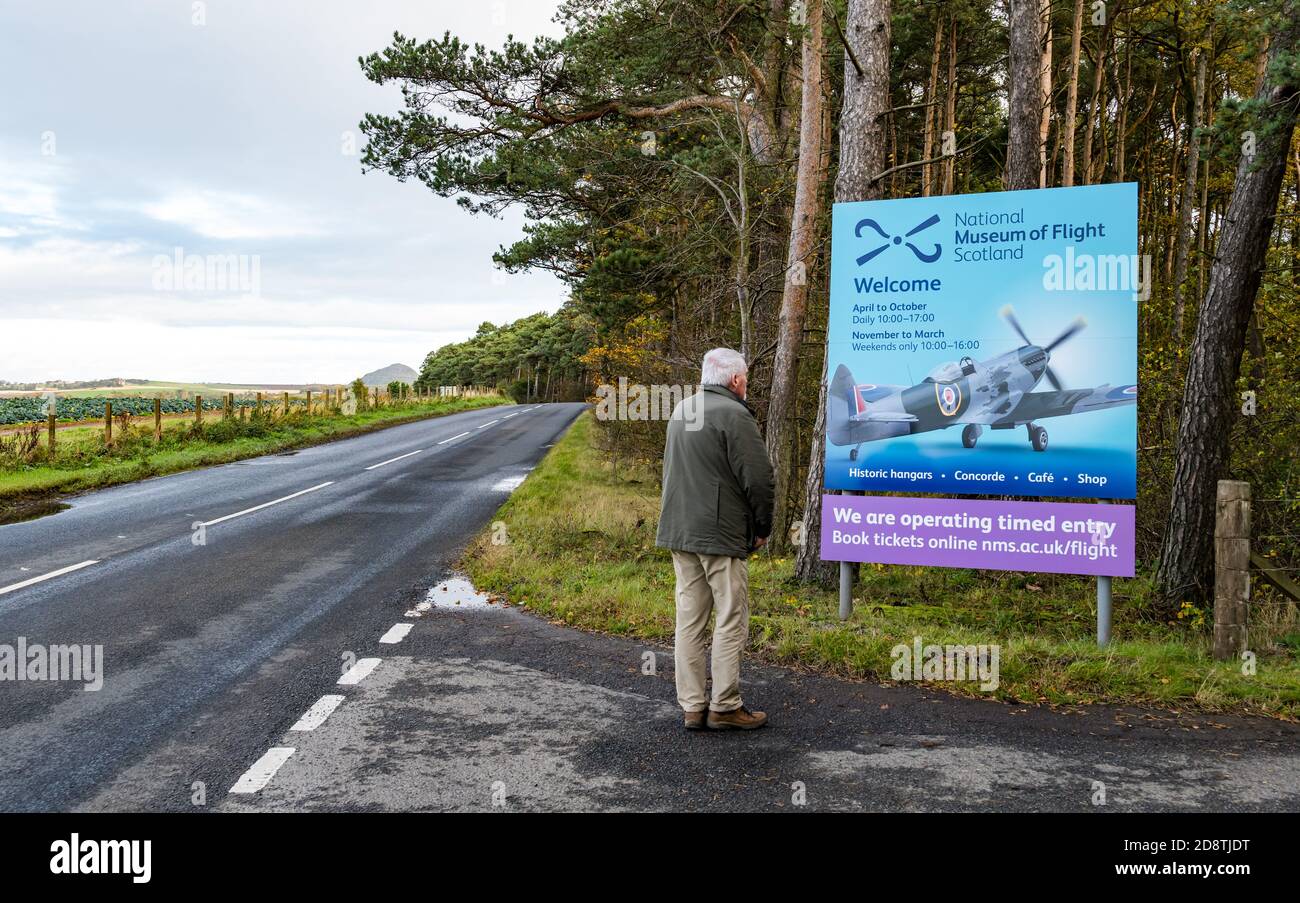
(73, 409)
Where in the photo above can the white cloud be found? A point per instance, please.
(226, 215)
(249, 354)
(30, 191)
(239, 154)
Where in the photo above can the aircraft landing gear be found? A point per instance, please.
(970, 434)
(1037, 436)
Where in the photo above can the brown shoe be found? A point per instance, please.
(695, 721)
(741, 719)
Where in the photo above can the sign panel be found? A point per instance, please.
(1058, 538)
(986, 344)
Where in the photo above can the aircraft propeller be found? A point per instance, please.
(1070, 331)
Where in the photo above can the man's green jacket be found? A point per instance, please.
(717, 497)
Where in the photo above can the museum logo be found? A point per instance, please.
(891, 240)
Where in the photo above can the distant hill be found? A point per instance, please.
(386, 375)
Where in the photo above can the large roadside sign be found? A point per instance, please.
(985, 345)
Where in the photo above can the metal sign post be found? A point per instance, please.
(1103, 605)
(846, 590)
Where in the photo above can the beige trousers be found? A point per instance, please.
(717, 584)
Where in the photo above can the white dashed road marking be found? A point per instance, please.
(396, 633)
(453, 438)
(265, 505)
(358, 672)
(263, 770)
(315, 716)
(391, 460)
(60, 572)
(488, 424)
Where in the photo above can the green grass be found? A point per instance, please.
(82, 461)
(581, 552)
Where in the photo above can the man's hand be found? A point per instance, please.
(759, 543)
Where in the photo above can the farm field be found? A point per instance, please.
(83, 460)
(88, 405)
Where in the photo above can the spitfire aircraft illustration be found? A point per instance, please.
(997, 393)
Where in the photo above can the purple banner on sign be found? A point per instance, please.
(1052, 537)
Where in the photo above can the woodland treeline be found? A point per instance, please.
(536, 358)
(677, 159)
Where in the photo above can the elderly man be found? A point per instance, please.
(716, 510)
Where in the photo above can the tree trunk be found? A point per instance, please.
(1071, 98)
(1121, 129)
(1095, 110)
(1184, 236)
(1045, 76)
(1210, 401)
(803, 247)
(1025, 94)
(949, 167)
(864, 141)
(931, 109)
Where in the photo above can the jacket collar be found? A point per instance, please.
(724, 391)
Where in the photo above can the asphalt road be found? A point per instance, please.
(310, 655)
(220, 645)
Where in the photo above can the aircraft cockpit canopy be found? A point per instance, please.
(948, 372)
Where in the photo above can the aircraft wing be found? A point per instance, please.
(883, 417)
(1040, 405)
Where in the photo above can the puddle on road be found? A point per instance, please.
(509, 484)
(23, 511)
(452, 594)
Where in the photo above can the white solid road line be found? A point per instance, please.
(315, 716)
(396, 633)
(391, 460)
(264, 505)
(263, 770)
(358, 672)
(454, 438)
(488, 424)
(67, 570)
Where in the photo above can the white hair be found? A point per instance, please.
(720, 365)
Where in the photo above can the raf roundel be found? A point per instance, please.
(949, 398)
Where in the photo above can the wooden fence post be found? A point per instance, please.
(259, 403)
(198, 410)
(108, 423)
(52, 418)
(285, 398)
(376, 397)
(157, 419)
(1231, 569)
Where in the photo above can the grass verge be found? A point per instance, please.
(83, 462)
(581, 552)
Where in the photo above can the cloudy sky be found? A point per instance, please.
(128, 132)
